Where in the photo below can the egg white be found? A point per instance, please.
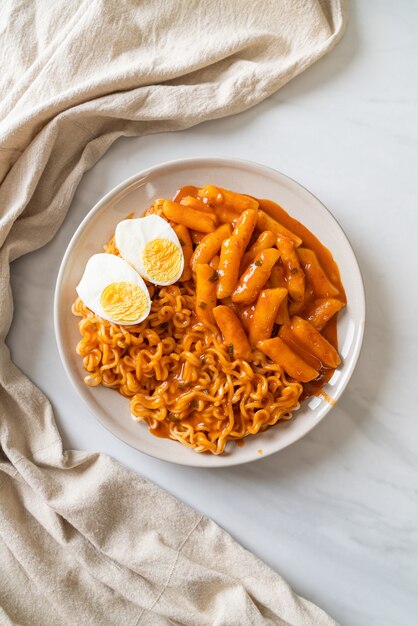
(102, 270)
(132, 236)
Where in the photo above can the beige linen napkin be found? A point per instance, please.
(82, 539)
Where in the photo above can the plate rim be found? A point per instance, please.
(123, 186)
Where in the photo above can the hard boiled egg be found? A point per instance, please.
(152, 247)
(112, 289)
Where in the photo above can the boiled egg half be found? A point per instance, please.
(152, 247)
(112, 289)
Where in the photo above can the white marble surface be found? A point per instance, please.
(336, 513)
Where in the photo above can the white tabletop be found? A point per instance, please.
(336, 513)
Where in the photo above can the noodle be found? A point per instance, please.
(178, 376)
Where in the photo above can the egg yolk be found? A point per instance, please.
(124, 302)
(162, 260)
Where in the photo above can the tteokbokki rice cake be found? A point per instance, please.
(215, 314)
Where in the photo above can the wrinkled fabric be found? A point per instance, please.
(82, 539)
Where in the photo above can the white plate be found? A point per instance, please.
(136, 194)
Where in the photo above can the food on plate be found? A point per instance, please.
(113, 290)
(265, 313)
(215, 314)
(233, 333)
(208, 247)
(152, 247)
(255, 276)
(267, 222)
(191, 218)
